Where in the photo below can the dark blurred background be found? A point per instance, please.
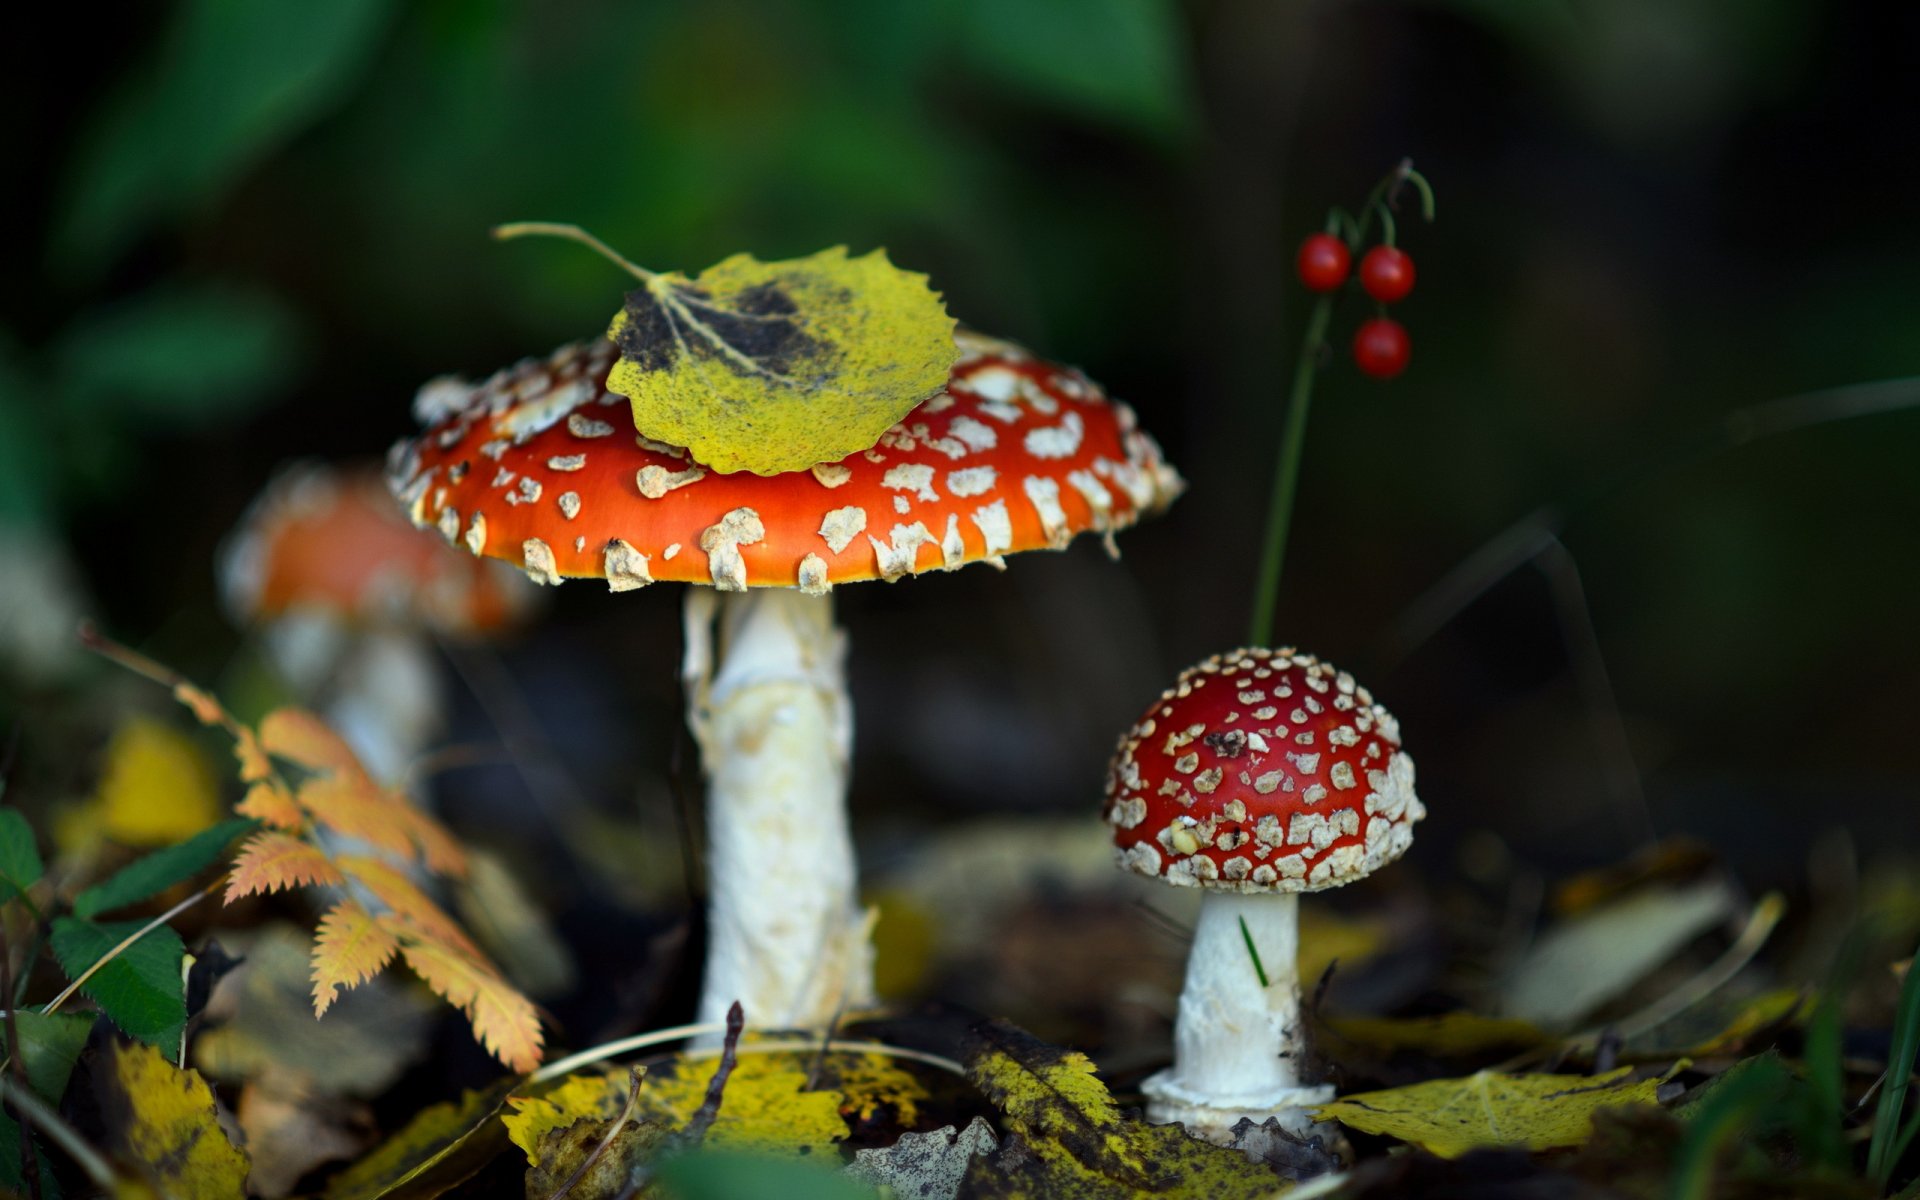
(245, 232)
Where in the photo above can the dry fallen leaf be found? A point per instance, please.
(1449, 1117)
(161, 1119)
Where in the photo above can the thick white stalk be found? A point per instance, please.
(769, 707)
(384, 699)
(1237, 1043)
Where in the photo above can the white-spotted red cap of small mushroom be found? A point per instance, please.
(541, 466)
(326, 539)
(1262, 770)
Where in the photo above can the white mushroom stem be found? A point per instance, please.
(767, 702)
(1237, 1043)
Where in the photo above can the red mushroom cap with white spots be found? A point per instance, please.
(1262, 770)
(326, 540)
(541, 466)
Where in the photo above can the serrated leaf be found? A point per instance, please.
(435, 1152)
(157, 788)
(160, 1119)
(140, 989)
(372, 1035)
(928, 1166)
(356, 807)
(155, 873)
(1449, 1117)
(302, 737)
(351, 948)
(504, 1021)
(273, 862)
(269, 803)
(412, 909)
(20, 866)
(1073, 1142)
(49, 1045)
(775, 366)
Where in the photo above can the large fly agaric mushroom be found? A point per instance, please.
(1259, 775)
(541, 466)
(348, 595)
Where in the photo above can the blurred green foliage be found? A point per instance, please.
(257, 225)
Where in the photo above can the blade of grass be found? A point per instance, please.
(1888, 1140)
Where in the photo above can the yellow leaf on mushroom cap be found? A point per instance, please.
(775, 366)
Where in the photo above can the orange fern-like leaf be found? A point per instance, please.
(272, 862)
(353, 805)
(411, 907)
(299, 736)
(439, 849)
(268, 802)
(350, 948)
(505, 1021)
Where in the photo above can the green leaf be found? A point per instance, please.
(720, 1175)
(179, 352)
(20, 865)
(230, 81)
(11, 1177)
(1116, 60)
(772, 367)
(49, 1044)
(160, 870)
(28, 474)
(141, 989)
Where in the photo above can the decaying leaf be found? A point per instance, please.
(438, 1150)
(1073, 1142)
(1582, 963)
(581, 1097)
(765, 1109)
(260, 1021)
(610, 1150)
(1286, 1154)
(925, 1166)
(1449, 1117)
(159, 1120)
(291, 1130)
(157, 788)
(775, 366)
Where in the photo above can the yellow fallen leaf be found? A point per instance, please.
(775, 366)
(1077, 1142)
(161, 1119)
(158, 788)
(438, 1150)
(1449, 1117)
(584, 1097)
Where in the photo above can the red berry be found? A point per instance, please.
(1323, 262)
(1387, 274)
(1381, 347)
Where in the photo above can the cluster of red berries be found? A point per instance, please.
(1381, 347)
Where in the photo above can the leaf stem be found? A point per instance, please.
(572, 233)
(55, 1003)
(1286, 475)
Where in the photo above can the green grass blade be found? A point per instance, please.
(1883, 1151)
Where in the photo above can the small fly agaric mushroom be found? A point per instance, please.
(1259, 775)
(541, 466)
(348, 593)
